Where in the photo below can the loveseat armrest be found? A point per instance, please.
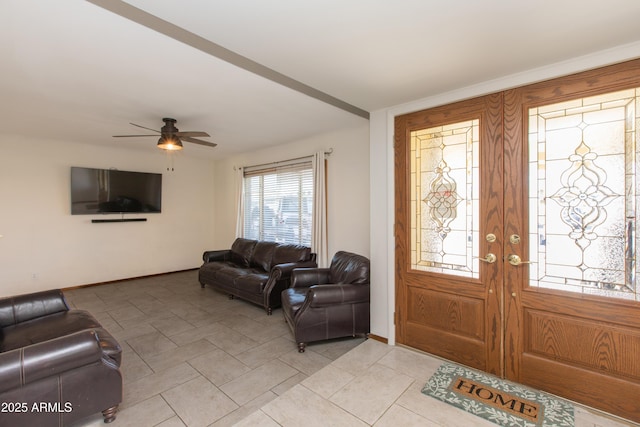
(218, 255)
(48, 358)
(306, 277)
(330, 295)
(18, 309)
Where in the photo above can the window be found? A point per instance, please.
(278, 203)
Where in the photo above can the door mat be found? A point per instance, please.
(496, 400)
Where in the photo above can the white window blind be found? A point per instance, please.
(278, 203)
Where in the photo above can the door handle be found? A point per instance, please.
(490, 258)
(516, 260)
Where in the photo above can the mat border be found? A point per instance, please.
(556, 411)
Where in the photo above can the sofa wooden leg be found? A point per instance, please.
(269, 311)
(231, 296)
(110, 414)
(301, 347)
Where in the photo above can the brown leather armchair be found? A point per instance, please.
(325, 303)
(57, 365)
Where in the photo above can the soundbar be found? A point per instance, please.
(99, 221)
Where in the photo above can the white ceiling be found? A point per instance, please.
(72, 70)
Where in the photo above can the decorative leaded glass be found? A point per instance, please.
(583, 194)
(444, 200)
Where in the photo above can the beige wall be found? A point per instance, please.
(44, 246)
(347, 186)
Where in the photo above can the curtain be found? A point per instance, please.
(319, 222)
(239, 190)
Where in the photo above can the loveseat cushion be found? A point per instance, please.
(241, 251)
(263, 254)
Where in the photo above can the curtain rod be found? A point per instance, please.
(273, 164)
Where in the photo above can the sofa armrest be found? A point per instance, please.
(21, 308)
(219, 255)
(48, 358)
(329, 295)
(305, 277)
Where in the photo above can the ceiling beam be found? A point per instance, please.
(148, 20)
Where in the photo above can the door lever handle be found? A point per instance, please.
(516, 260)
(490, 258)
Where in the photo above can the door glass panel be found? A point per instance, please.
(584, 195)
(445, 199)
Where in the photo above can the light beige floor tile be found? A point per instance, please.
(246, 410)
(302, 407)
(358, 360)
(328, 381)
(286, 385)
(133, 367)
(156, 383)
(198, 402)
(121, 313)
(230, 341)
(369, 395)
(308, 362)
(219, 366)
(398, 416)
(133, 332)
(146, 413)
(171, 422)
(257, 418)
(175, 356)
(151, 344)
(411, 363)
(172, 325)
(258, 381)
(262, 353)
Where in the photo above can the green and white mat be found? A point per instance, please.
(499, 401)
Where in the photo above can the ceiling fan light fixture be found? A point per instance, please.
(169, 143)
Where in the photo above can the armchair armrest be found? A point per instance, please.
(287, 268)
(328, 295)
(305, 277)
(21, 308)
(48, 358)
(219, 255)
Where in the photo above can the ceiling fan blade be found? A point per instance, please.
(130, 136)
(188, 133)
(143, 127)
(198, 141)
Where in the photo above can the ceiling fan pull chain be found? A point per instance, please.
(170, 161)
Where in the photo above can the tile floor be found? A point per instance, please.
(192, 357)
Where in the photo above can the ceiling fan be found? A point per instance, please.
(170, 137)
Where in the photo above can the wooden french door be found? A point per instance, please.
(516, 235)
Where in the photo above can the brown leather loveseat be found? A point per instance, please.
(255, 271)
(57, 365)
(326, 303)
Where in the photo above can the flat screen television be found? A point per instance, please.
(103, 191)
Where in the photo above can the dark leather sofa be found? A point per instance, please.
(326, 303)
(57, 365)
(255, 271)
